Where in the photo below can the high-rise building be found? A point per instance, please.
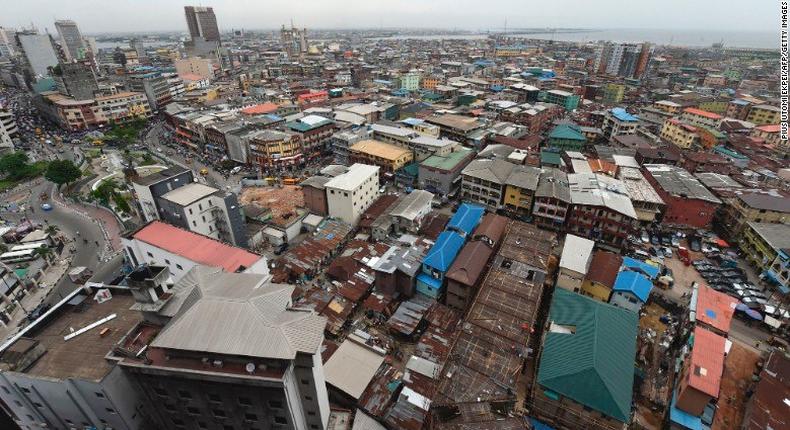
(39, 52)
(202, 23)
(8, 46)
(138, 47)
(627, 60)
(76, 80)
(70, 39)
(644, 60)
(8, 130)
(294, 40)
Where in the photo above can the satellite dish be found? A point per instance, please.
(250, 367)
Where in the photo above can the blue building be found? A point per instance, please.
(631, 290)
(436, 263)
(466, 219)
(635, 265)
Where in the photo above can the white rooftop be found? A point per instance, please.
(189, 193)
(576, 253)
(356, 175)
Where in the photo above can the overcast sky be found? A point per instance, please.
(95, 16)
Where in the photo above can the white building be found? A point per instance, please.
(8, 129)
(574, 262)
(350, 194)
(179, 250)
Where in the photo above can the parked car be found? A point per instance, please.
(645, 237)
(695, 246)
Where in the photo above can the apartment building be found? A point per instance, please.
(76, 115)
(646, 201)
(275, 149)
(616, 122)
(150, 188)
(204, 210)
(700, 118)
(155, 87)
(688, 202)
(194, 66)
(8, 130)
(315, 132)
(764, 114)
(483, 182)
(350, 194)
(680, 134)
(759, 207)
(390, 158)
(520, 188)
(762, 243)
(439, 174)
(602, 209)
(552, 199)
(568, 101)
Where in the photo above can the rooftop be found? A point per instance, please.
(195, 247)
(356, 175)
(380, 149)
(448, 162)
(634, 283)
(466, 218)
(707, 362)
(352, 366)
(702, 113)
(600, 190)
(623, 115)
(468, 266)
(160, 176)
(679, 182)
(604, 268)
(189, 193)
(444, 251)
(713, 308)
(576, 253)
(776, 235)
(588, 353)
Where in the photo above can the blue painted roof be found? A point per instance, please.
(623, 115)
(443, 252)
(430, 281)
(413, 121)
(649, 270)
(683, 418)
(466, 218)
(633, 282)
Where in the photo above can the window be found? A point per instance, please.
(38, 405)
(219, 413)
(200, 207)
(313, 426)
(30, 418)
(5, 389)
(179, 267)
(160, 392)
(190, 211)
(194, 224)
(214, 398)
(18, 403)
(273, 404)
(184, 394)
(308, 398)
(311, 413)
(250, 417)
(167, 261)
(169, 407)
(193, 410)
(280, 420)
(110, 410)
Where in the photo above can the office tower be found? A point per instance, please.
(39, 52)
(76, 80)
(644, 60)
(202, 23)
(293, 40)
(627, 60)
(70, 39)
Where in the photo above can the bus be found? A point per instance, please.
(18, 256)
(31, 245)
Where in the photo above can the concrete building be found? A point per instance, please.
(150, 188)
(602, 209)
(350, 194)
(314, 192)
(576, 257)
(520, 188)
(8, 130)
(408, 214)
(54, 373)
(762, 243)
(194, 66)
(646, 201)
(680, 134)
(688, 202)
(161, 244)
(155, 87)
(8, 46)
(70, 39)
(204, 210)
(39, 53)
(202, 23)
(754, 207)
(695, 388)
(390, 158)
(483, 181)
(552, 199)
(76, 80)
(224, 350)
(764, 114)
(73, 115)
(440, 174)
(616, 122)
(700, 118)
(631, 290)
(275, 149)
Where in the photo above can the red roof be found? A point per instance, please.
(260, 109)
(195, 247)
(700, 112)
(770, 128)
(714, 308)
(707, 362)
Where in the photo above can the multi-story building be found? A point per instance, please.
(483, 181)
(410, 81)
(155, 87)
(602, 209)
(695, 388)
(688, 202)
(342, 140)
(616, 122)
(700, 118)
(8, 46)
(204, 210)
(202, 23)
(75, 115)
(613, 94)
(76, 80)
(680, 134)
(552, 199)
(577, 253)
(390, 158)
(520, 187)
(39, 53)
(315, 131)
(150, 188)
(456, 127)
(764, 114)
(565, 137)
(647, 203)
(348, 195)
(567, 100)
(763, 242)
(738, 109)
(8, 130)
(602, 348)
(70, 39)
(756, 207)
(294, 40)
(439, 174)
(275, 149)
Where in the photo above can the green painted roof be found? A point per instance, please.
(411, 169)
(567, 132)
(448, 162)
(550, 157)
(594, 366)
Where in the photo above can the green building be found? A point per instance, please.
(566, 137)
(613, 94)
(565, 99)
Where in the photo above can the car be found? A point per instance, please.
(666, 240)
(654, 239)
(645, 237)
(694, 245)
(667, 252)
(675, 241)
(46, 207)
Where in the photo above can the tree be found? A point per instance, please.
(15, 165)
(104, 192)
(62, 172)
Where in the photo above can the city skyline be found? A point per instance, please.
(128, 16)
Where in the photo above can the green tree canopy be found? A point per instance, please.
(15, 165)
(62, 172)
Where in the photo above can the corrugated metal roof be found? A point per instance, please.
(466, 218)
(443, 253)
(634, 283)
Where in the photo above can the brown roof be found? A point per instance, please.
(604, 267)
(769, 409)
(469, 264)
(492, 227)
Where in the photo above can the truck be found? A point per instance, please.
(80, 274)
(683, 254)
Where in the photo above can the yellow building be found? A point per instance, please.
(601, 275)
(679, 134)
(613, 93)
(668, 106)
(715, 106)
(389, 157)
(761, 242)
(754, 207)
(429, 82)
(520, 188)
(763, 114)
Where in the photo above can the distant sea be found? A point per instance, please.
(690, 38)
